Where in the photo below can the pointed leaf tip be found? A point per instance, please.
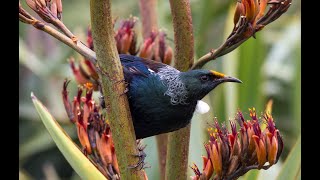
(291, 168)
(80, 163)
(33, 97)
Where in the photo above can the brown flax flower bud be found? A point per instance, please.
(271, 136)
(240, 11)
(85, 72)
(215, 155)
(165, 51)
(261, 150)
(79, 75)
(104, 144)
(207, 167)
(126, 37)
(147, 48)
(83, 138)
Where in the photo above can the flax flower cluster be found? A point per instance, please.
(232, 154)
(250, 16)
(126, 40)
(48, 10)
(93, 131)
(154, 47)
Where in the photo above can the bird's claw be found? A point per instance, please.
(124, 92)
(142, 166)
(141, 155)
(102, 102)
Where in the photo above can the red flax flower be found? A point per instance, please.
(51, 12)
(230, 156)
(93, 130)
(126, 37)
(147, 49)
(250, 16)
(47, 10)
(274, 141)
(162, 52)
(85, 71)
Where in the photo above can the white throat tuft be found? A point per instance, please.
(202, 107)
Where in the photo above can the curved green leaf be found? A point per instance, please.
(23, 175)
(252, 175)
(79, 162)
(291, 168)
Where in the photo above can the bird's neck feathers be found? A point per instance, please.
(176, 88)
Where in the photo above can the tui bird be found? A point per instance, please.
(163, 99)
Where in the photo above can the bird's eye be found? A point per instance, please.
(204, 78)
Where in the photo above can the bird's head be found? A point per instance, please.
(200, 82)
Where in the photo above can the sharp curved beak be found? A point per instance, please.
(224, 78)
(230, 79)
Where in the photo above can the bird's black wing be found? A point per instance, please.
(133, 65)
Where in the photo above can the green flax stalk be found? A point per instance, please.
(148, 13)
(178, 145)
(113, 88)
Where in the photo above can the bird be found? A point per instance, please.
(163, 99)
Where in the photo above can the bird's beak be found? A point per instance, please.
(231, 79)
(223, 78)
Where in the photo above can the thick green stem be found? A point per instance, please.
(162, 144)
(177, 154)
(178, 145)
(113, 87)
(148, 11)
(183, 34)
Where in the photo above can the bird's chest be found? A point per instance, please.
(152, 109)
(179, 116)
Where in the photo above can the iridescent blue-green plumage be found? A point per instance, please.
(163, 99)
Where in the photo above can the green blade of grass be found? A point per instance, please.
(251, 175)
(79, 162)
(230, 64)
(252, 55)
(291, 168)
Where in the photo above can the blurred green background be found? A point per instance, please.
(269, 66)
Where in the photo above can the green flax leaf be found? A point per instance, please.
(252, 175)
(291, 168)
(79, 162)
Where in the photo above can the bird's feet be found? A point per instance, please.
(125, 90)
(141, 155)
(102, 102)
